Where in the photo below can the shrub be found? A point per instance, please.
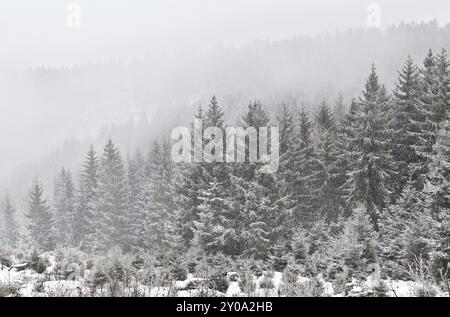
(192, 266)
(9, 290)
(246, 282)
(37, 263)
(267, 283)
(290, 280)
(138, 263)
(99, 279)
(179, 273)
(218, 281)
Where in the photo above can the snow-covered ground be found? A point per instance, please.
(32, 284)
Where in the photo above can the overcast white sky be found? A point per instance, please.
(35, 33)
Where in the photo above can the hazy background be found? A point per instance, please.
(133, 69)
(35, 33)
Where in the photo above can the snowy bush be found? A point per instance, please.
(9, 290)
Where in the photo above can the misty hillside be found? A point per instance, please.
(81, 100)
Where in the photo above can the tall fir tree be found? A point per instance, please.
(413, 133)
(442, 108)
(210, 226)
(10, 234)
(286, 125)
(163, 212)
(372, 170)
(137, 199)
(430, 86)
(304, 175)
(213, 219)
(332, 158)
(407, 232)
(193, 182)
(325, 120)
(40, 226)
(339, 109)
(438, 191)
(355, 248)
(112, 208)
(87, 220)
(64, 208)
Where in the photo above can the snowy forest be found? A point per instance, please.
(360, 206)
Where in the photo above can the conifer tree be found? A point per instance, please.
(209, 228)
(214, 115)
(194, 180)
(430, 87)
(339, 109)
(438, 191)
(87, 217)
(407, 232)
(286, 125)
(371, 151)
(112, 208)
(256, 117)
(442, 107)
(324, 118)
(64, 208)
(163, 224)
(355, 249)
(40, 226)
(10, 234)
(332, 158)
(212, 222)
(413, 133)
(137, 199)
(304, 175)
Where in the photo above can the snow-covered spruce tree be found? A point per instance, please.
(137, 198)
(163, 216)
(319, 237)
(345, 153)
(285, 120)
(438, 191)
(331, 156)
(438, 184)
(304, 174)
(210, 226)
(112, 208)
(355, 248)
(10, 235)
(412, 131)
(87, 220)
(281, 249)
(370, 150)
(64, 208)
(217, 170)
(267, 191)
(324, 118)
(407, 232)
(339, 109)
(252, 224)
(256, 117)
(40, 226)
(254, 221)
(213, 219)
(194, 180)
(214, 116)
(442, 106)
(430, 87)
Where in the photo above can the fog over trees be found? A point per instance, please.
(359, 206)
